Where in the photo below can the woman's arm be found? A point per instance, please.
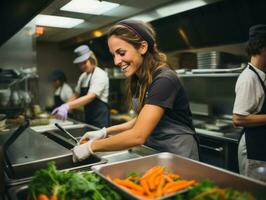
(249, 120)
(121, 127)
(146, 121)
(82, 100)
(73, 97)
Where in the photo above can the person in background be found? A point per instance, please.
(250, 104)
(164, 120)
(62, 90)
(92, 90)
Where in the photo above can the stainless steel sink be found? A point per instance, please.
(75, 130)
(17, 192)
(22, 173)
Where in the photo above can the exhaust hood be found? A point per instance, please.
(15, 14)
(223, 22)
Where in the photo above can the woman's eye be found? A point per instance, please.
(122, 53)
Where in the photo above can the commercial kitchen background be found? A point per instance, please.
(219, 27)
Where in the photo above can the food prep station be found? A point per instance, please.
(35, 147)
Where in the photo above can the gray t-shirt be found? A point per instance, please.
(174, 131)
(167, 92)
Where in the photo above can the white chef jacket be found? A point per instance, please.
(65, 92)
(249, 92)
(99, 83)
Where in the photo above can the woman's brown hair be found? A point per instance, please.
(152, 60)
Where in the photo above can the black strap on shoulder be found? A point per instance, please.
(261, 81)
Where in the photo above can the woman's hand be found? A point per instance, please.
(94, 135)
(61, 112)
(82, 151)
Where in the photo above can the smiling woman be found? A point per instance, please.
(164, 118)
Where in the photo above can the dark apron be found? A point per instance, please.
(57, 99)
(256, 136)
(165, 139)
(96, 112)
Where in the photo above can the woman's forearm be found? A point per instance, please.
(81, 101)
(249, 120)
(121, 127)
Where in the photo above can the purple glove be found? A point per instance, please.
(61, 112)
(82, 151)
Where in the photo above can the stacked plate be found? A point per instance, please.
(213, 59)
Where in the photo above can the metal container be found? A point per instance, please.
(32, 151)
(24, 172)
(186, 168)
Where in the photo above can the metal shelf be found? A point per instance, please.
(209, 75)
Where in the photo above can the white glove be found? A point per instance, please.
(82, 151)
(94, 135)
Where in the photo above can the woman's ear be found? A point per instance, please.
(143, 47)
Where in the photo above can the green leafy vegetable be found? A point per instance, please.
(207, 190)
(70, 185)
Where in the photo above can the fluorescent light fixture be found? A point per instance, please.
(57, 21)
(94, 7)
(171, 9)
(179, 7)
(144, 17)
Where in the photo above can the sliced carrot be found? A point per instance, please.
(145, 186)
(43, 197)
(169, 179)
(172, 184)
(158, 180)
(173, 176)
(152, 178)
(159, 191)
(53, 197)
(83, 141)
(129, 184)
(151, 171)
(179, 186)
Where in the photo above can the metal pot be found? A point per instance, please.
(4, 96)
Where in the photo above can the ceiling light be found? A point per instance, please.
(94, 7)
(179, 7)
(57, 21)
(97, 33)
(144, 17)
(171, 9)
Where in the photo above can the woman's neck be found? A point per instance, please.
(258, 62)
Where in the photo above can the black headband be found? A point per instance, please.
(140, 29)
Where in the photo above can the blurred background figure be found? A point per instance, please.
(92, 90)
(62, 90)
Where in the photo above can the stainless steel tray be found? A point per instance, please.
(24, 172)
(186, 168)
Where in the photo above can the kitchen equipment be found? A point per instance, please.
(4, 96)
(200, 109)
(66, 132)
(19, 192)
(33, 151)
(214, 59)
(25, 171)
(15, 98)
(186, 168)
(2, 120)
(2, 175)
(11, 139)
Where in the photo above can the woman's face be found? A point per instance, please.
(125, 55)
(86, 66)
